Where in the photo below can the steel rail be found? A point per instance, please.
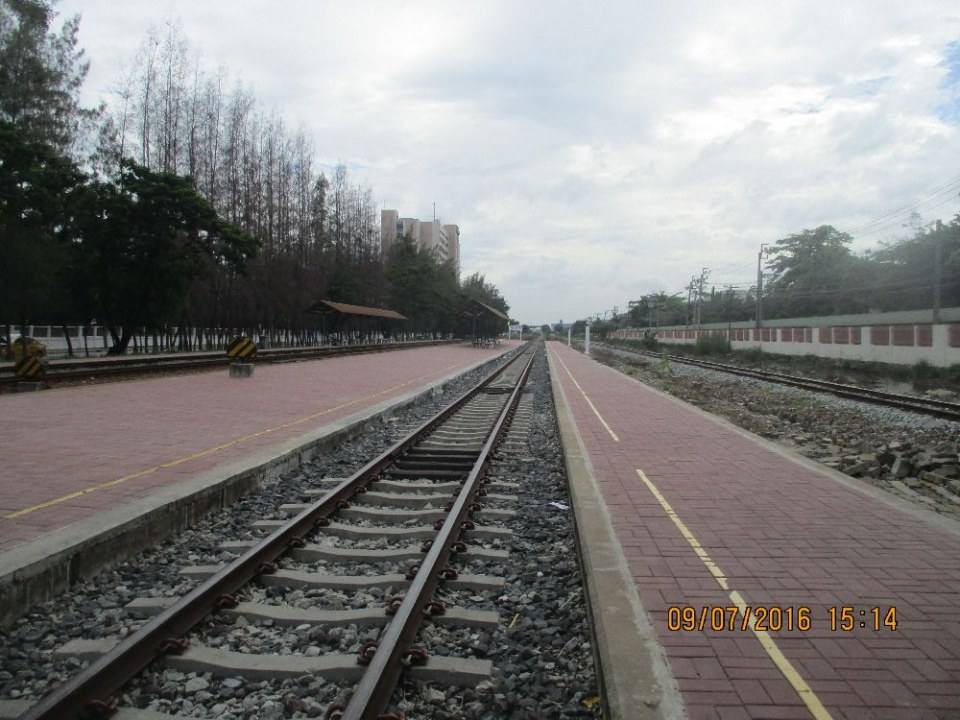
(127, 365)
(89, 694)
(927, 406)
(372, 694)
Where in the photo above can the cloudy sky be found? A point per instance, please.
(593, 152)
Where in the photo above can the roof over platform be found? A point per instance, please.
(323, 307)
(492, 310)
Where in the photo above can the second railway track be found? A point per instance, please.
(137, 365)
(425, 509)
(923, 405)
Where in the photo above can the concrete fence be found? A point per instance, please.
(885, 337)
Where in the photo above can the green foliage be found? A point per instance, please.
(712, 344)
(815, 273)
(904, 269)
(40, 72)
(421, 288)
(37, 188)
(142, 241)
(751, 356)
(649, 341)
(923, 371)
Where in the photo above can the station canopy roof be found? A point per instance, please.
(492, 310)
(322, 307)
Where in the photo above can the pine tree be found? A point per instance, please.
(40, 73)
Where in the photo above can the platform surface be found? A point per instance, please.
(709, 516)
(70, 452)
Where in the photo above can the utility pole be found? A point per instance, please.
(937, 270)
(729, 310)
(760, 285)
(701, 281)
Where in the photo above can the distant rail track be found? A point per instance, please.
(117, 366)
(436, 475)
(923, 405)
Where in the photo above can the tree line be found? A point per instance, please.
(816, 273)
(185, 204)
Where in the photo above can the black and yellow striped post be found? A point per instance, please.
(29, 368)
(241, 351)
(30, 373)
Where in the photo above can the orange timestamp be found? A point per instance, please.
(776, 618)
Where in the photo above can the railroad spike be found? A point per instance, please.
(174, 645)
(101, 709)
(415, 656)
(366, 653)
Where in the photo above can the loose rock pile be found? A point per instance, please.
(914, 456)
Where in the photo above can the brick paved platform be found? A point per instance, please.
(70, 453)
(717, 517)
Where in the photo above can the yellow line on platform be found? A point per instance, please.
(805, 692)
(587, 398)
(209, 451)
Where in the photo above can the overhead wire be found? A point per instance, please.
(896, 216)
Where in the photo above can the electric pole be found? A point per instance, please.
(760, 285)
(701, 282)
(937, 270)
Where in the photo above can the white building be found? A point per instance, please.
(442, 240)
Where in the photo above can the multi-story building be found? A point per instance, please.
(442, 240)
(453, 244)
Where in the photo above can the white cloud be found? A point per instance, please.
(591, 153)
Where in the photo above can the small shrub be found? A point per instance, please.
(649, 340)
(923, 371)
(712, 345)
(952, 374)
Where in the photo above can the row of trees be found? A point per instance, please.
(191, 205)
(815, 273)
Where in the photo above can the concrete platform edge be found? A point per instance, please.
(38, 570)
(931, 517)
(636, 680)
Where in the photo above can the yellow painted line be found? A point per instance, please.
(209, 451)
(587, 398)
(805, 692)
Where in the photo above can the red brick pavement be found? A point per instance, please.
(65, 440)
(784, 535)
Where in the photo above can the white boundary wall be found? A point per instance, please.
(902, 338)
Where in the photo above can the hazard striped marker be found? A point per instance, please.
(29, 368)
(242, 348)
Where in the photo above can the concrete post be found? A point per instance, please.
(569, 335)
(937, 270)
(586, 342)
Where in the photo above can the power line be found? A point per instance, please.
(893, 223)
(895, 216)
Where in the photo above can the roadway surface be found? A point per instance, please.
(709, 516)
(71, 452)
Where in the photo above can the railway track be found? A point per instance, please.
(424, 506)
(922, 405)
(84, 368)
